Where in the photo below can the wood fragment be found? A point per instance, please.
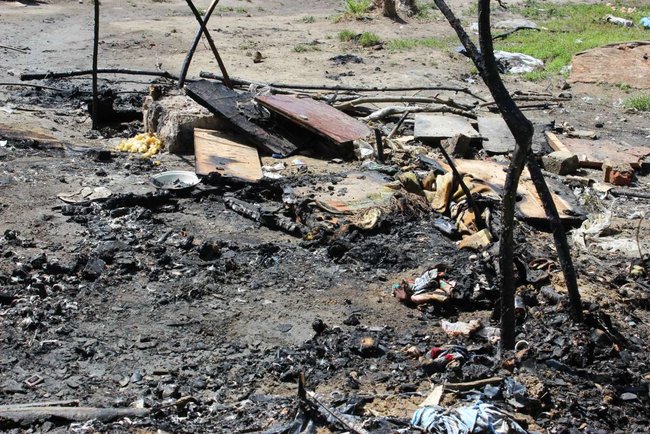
(348, 424)
(223, 102)
(398, 124)
(515, 30)
(123, 71)
(405, 99)
(29, 415)
(469, 385)
(240, 81)
(429, 108)
(6, 47)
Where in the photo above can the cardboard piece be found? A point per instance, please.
(442, 126)
(354, 193)
(223, 153)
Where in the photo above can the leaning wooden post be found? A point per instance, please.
(195, 43)
(213, 47)
(95, 107)
(559, 236)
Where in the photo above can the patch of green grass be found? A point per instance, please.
(223, 9)
(640, 103)
(346, 35)
(357, 7)
(369, 39)
(411, 43)
(302, 48)
(308, 19)
(570, 29)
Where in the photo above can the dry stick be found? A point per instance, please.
(48, 75)
(480, 224)
(349, 425)
(380, 146)
(559, 236)
(429, 108)
(473, 384)
(243, 82)
(638, 243)
(407, 99)
(195, 43)
(515, 30)
(95, 116)
(522, 130)
(13, 49)
(35, 86)
(398, 124)
(629, 193)
(204, 29)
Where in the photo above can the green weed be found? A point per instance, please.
(369, 39)
(357, 7)
(346, 35)
(411, 43)
(640, 103)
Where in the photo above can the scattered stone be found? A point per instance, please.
(618, 174)
(561, 162)
(477, 241)
(458, 146)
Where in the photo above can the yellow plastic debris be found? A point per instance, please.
(146, 144)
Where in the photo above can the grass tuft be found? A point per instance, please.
(369, 39)
(357, 7)
(640, 103)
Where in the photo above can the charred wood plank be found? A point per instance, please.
(222, 101)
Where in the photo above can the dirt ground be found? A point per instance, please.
(178, 304)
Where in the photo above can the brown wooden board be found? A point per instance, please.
(215, 151)
(493, 174)
(317, 117)
(625, 63)
(497, 138)
(442, 126)
(223, 102)
(593, 153)
(18, 133)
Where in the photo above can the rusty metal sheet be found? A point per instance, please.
(317, 117)
(215, 151)
(593, 153)
(626, 63)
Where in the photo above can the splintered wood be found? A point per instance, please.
(317, 117)
(224, 102)
(222, 153)
(593, 153)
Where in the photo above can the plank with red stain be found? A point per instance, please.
(317, 117)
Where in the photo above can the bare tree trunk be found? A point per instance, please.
(410, 6)
(389, 9)
(522, 130)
